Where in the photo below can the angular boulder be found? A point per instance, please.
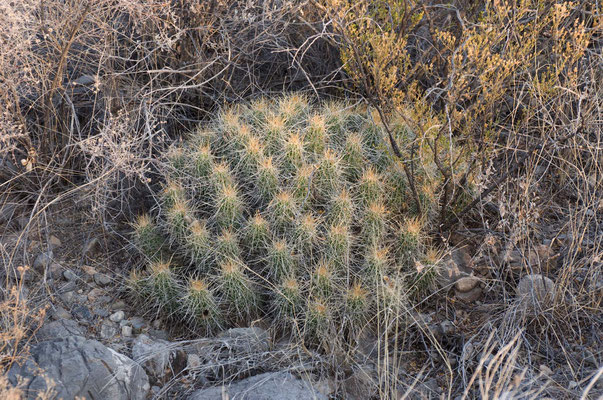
(81, 368)
(267, 386)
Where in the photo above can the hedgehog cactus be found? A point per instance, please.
(285, 211)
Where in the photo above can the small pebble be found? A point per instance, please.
(193, 361)
(60, 313)
(54, 241)
(137, 323)
(43, 260)
(69, 275)
(126, 331)
(55, 271)
(67, 297)
(83, 312)
(101, 312)
(118, 305)
(108, 330)
(466, 284)
(101, 279)
(117, 316)
(95, 293)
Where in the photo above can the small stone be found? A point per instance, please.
(447, 327)
(193, 361)
(159, 358)
(126, 331)
(69, 275)
(466, 284)
(60, 313)
(101, 279)
(535, 287)
(118, 305)
(117, 316)
(467, 351)
(26, 274)
(54, 241)
(43, 260)
(137, 323)
(67, 297)
(470, 296)
(108, 330)
(101, 312)
(82, 312)
(80, 298)
(55, 271)
(95, 294)
(159, 334)
(88, 270)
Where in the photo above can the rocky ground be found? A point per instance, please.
(95, 344)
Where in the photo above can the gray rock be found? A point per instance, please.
(96, 294)
(126, 331)
(454, 266)
(55, 271)
(67, 297)
(466, 284)
(193, 361)
(54, 241)
(118, 305)
(137, 324)
(69, 275)
(83, 313)
(267, 386)
(159, 334)
(160, 358)
(80, 368)
(470, 296)
(101, 279)
(247, 340)
(108, 330)
(60, 313)
(361, 384)
(59, 329)
(43, 260)
(117, 316)
(101, 312)
(535, 288)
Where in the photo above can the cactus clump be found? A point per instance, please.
(286, 211)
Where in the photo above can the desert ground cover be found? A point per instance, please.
(301, 199)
